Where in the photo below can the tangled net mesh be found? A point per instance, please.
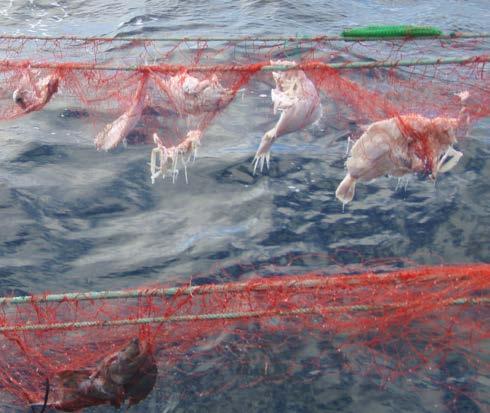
(385, 325)
(409, 107)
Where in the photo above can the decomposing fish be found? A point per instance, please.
(192, 96)
(296, 97)
(165, 159)
(388, 147)
(127, 375)
(116, 131)
(33, 94)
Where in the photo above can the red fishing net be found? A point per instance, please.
(411, 101)
(95, 349)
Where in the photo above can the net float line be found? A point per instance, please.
(391, 321)
(231, 316)
(437, 95)
(425, 274)
(175, 68)
(296, 38)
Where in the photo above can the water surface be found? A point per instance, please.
(76, 219)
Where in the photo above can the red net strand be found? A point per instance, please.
(409, 115)
(400, 323)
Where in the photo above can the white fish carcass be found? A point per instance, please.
(191, 96)
(34, 92)
(116, 131)
(296, 97)
(388, 147)
(165, 159)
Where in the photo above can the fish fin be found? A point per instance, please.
(40, 407)
(345, 191)
(261, 160)
(262, 156)
(446, 164)
(108, 138)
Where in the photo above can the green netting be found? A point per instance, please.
(392, 31)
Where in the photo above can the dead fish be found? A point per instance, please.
(116, 131)
(388, 147)
(120, 367)
(134, 368)
(127, 375)
(296, 97)
(166, 159)
(141, 384)
(80, 390)
(32, 94)
(192, 96)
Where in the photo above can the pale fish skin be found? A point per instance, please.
(165, 159)
(115, 132)
(33, 94)
(384, 149)
(191, 96)
(296, 97)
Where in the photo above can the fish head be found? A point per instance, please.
(131, 350)
(19, 97)
(283, 78)
(143, 381)
(120, 367)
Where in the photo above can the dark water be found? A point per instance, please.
(76, 219)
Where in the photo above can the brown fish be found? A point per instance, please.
(140, 385)
(80, 390)
(127, 375)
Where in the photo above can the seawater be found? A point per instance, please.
(76, 219)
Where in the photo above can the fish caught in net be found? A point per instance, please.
(115, 348)
(408, 102)
(409, 105)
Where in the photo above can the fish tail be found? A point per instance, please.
(265, 144)
(345, 191)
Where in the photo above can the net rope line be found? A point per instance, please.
(7, 64)
(295, 38)
(216, 288)
(230, 316)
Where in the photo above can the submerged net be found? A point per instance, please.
(409, 101)
(406, 104)
(384, 325)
